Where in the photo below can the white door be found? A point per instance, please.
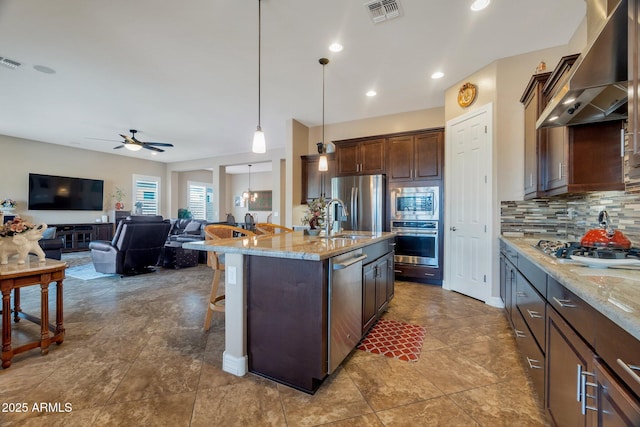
(467, 227)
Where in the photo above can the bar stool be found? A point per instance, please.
(268, 228)
(219, 232)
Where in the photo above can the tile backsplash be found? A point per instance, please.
(569, 217)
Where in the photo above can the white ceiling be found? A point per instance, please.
(185, 72)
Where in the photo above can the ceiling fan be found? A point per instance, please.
(134, 144)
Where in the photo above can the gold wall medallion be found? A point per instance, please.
(466, 94)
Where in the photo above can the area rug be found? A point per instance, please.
(85, 272)
(394, 339)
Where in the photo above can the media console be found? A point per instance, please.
(77, 237)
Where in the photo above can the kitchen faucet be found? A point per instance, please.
(327, 227)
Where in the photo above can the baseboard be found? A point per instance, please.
(237, 366)
(495, 302)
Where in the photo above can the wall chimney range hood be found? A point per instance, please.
(595, 89)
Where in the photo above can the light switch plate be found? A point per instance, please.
(231, 275)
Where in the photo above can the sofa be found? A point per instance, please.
(50, 244)
(186, 230)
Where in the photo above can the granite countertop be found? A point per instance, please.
(614, 292)
(295, 245)
(32, 264)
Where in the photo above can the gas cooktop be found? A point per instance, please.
(564, 251)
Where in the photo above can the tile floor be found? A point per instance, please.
(135, 354)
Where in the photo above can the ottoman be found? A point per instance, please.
(175, 256)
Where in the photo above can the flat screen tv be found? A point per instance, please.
(48, 193)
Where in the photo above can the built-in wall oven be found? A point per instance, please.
(416, 242)
(414, 220)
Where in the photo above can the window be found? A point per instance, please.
(146, 189)
(200, 200)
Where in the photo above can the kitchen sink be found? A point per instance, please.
(351, 236)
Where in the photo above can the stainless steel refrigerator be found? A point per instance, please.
(364, 198)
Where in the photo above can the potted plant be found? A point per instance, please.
(315, 215)
(8, 205)
(118, 195)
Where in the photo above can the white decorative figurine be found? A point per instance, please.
(21, 237)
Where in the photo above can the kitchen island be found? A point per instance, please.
(295, 303)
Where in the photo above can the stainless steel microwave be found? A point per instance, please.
(415, 203)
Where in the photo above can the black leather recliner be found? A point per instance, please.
(136, 245)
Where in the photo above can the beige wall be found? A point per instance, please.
(20, 156)
(239, 183)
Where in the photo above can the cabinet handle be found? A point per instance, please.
(397, 271)
(429, 274)
(560, 170)
(584, 394)
(564, 303)
(622, 134)
(520, 334)
(532, 363)
(531, 180)
(629, 370)
(534, 314)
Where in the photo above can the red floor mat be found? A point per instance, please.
(394, 339)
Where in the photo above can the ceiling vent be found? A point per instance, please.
(382, 10)
(5, 62)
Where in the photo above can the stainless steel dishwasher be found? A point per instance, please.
(345, 305)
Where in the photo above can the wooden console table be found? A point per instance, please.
(14, 276)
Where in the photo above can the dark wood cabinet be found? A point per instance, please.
(583, 364)
(568, 159)
(585, 158)
(634, 89)
(316, 184)
(569, 364)
(534, 102)
(360, 157)
(615, 405)
(415, 157)
(377, 289)
(76, 237)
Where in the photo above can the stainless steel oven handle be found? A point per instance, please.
(416, 233)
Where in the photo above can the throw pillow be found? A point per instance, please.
(193, 228)
(49, 233)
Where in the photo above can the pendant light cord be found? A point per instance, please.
(323, 106)
(259, 56)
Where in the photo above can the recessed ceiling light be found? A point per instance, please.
(335, 47)
(479, 5)
(437, 75)
(371, 93)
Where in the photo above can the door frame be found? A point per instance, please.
(493, 220)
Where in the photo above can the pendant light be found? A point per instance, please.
(323, 165)
(247, 194)
(259, 144)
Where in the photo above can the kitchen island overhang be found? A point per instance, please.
(279, 284)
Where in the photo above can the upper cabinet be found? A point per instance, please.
(415, 157)
(360, 157)
(568, 159)
(634, 90)
(534, 139)
(316, 184)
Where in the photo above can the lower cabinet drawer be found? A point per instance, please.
(533, 309)
(531, 354)
(620, 351)
(580, 315)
